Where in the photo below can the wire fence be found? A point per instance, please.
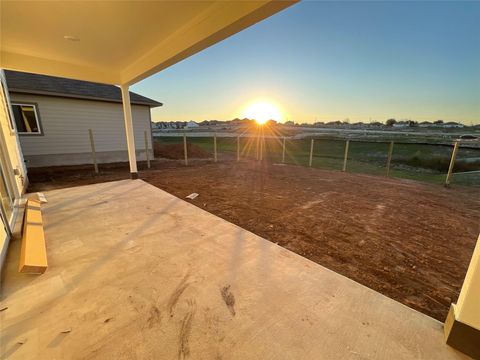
(417, 161)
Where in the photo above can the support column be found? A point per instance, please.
(462, 326)
(127, 113)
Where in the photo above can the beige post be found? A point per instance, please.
(127, 113)
(452, 163)
(311, 153)
(389, 158)
(346, 156)
(94, 154)
(462, 326)
(238, 148)
(283, 151)
(185, 148)
(215, 147)
(146, 150)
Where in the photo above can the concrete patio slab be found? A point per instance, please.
(135, 273)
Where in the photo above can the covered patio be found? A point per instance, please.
(138, 273)
(135, 272)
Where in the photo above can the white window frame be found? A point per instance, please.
(37, 119)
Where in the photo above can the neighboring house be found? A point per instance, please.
(53, 116)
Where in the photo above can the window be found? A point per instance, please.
(26, 119)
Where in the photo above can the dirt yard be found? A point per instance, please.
(408, 240)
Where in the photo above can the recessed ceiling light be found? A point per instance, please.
(71, 38)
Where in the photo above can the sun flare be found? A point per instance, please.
(262, 112)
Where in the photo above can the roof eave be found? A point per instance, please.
(151, 104)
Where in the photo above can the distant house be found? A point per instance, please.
(452, 124)
(191, 124)
(53, 116)
(401, 124)
(425, 124)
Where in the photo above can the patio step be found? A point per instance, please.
(33, 254)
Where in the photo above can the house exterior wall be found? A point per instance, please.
(65, 123)
(10, 149)
(12, 168)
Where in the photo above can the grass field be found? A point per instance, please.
(421, 162)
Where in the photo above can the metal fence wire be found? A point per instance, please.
(416, 161)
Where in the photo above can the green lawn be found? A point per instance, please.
(409, 161)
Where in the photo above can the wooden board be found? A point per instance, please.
(33, 254)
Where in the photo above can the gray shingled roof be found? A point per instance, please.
(22, 82)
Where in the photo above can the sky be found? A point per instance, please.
(327, 61)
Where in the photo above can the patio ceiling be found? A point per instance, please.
(118, 42)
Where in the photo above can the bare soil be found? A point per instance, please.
(175, 151)
(411, 241)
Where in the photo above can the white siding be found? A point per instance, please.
(65, 123)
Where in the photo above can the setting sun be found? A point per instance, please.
(262, 112)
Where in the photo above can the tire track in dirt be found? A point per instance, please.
(185, 331)
(175, 296)
(228, 298)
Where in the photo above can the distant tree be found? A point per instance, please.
(438, 122)
(390, 122)
(412, 123)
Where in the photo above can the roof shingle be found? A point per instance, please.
(56, 86)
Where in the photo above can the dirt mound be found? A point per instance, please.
(175, 151)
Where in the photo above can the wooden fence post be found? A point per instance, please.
(215, 147)
(146, 150)
(283, 151)
(185, 148)
(311, 154)
(452, 163)
(94, 154)
(257, 153)
(346, 156)
(238, 148)
(262, 140)
(389, 158)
